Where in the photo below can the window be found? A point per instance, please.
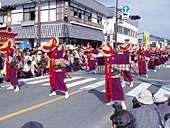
(120, 29)
(88, 16)
(99, 19)
(81, 14)
(71, 11)
(74, 12)
(29, 14)
(127, 31)
(3, 17)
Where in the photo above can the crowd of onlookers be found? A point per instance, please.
(34, 62)
(148, 112)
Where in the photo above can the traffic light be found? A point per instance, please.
(134, 17)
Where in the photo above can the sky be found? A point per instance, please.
(155, 14)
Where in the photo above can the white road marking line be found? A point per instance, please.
(138, 89)
(165, 90)
(94, 85)
(80, 82)
(66, 80)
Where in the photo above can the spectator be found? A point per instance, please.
(32, 124)
(29, 70)
(43, 63)
(122, 119)
(167, 119)
(145, 116)
(162, 107)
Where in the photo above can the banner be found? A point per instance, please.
(146, 38)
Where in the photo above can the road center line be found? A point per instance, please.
(36, 106)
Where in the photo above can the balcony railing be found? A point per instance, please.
(28, 23)
(86, 22)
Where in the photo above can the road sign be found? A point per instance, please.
(126, 9)
(125, 16)
(9, 19)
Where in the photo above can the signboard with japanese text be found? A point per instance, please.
(146, 38)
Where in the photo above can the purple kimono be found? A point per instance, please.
(58, 74)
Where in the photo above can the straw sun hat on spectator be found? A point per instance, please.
(160, 98)
(145, 97)
(39, 52)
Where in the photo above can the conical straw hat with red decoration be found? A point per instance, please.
(125, 47)
(89, 47)
(107, 50)
(51, 45)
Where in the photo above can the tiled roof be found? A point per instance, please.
(112, 12)
(88, 3)
(75, 31)
(47, 31)
(93, 4)
(58, 29)
(14, 2)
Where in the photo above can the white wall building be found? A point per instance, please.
(127, 30)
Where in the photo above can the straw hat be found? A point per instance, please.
(107, 50)
(125, 47)
(89, 47)
(6, 46)
(160, 98)
(135, 49)
(61, 47)
(145, 97)
(51, 45)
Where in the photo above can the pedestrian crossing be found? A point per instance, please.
(86, 83)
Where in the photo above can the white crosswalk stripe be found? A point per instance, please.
(165, 89)
(39, 81)
(66, 80)
(95, 84)
(80, 82)
(138, 89)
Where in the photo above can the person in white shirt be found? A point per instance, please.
(29, 70)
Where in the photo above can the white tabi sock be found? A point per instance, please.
(123, 105)
(66, 95)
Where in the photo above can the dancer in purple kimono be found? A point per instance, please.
(141, 62)
(58, 83)
(117, 63)
(126, 56)
(13, 71)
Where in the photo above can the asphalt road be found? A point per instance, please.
(84, 109)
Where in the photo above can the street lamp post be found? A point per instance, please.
(38, 26)
(115, 45)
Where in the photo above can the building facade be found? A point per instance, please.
(73, 21)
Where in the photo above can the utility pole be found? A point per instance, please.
(38, 26)
(115, 43)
